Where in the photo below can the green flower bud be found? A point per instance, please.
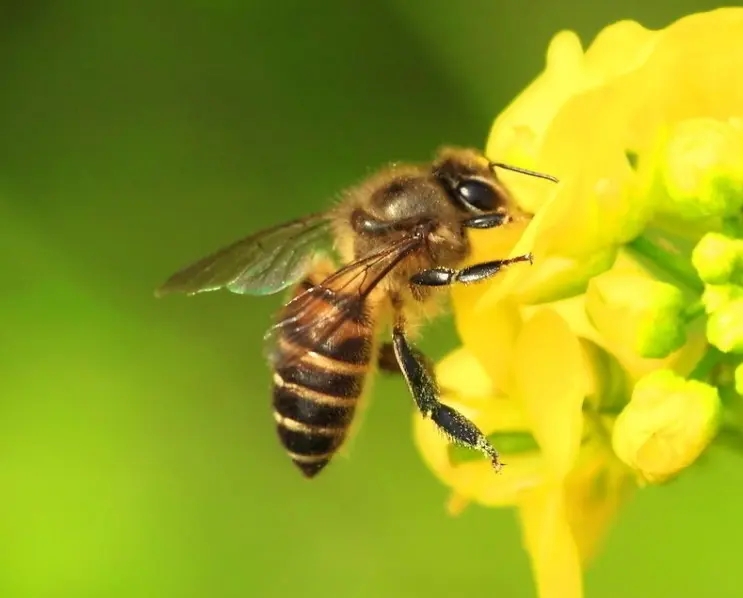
(725, 327)
(666, 425)
(717, 257)
(702, 169)
(643, 314)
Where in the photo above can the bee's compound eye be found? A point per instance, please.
(478, 195)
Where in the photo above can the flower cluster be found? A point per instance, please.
(615, 359)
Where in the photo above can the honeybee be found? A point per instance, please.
(400, 236)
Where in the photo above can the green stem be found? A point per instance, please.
(707, 364)
(733, 226)
(694, 311)
(731, 416)
(678, 268)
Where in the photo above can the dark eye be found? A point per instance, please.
(478, 195)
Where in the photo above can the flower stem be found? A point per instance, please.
(733, 226)
(731, 417)
(707, 364)
(679, 269)
(693, 311)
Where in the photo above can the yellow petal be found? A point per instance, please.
(573, 237)
(551, 381)
(573, 311)
(619, 48)
(491, 337)
(594, 492)
(557, 277)
(461, 373)
(549, 541)
(537, 104)
(520, 132)
(693, 71)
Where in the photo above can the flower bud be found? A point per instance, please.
(640, 313)
(702, 169)
(666, 425)
(717, 257)
(725, 327)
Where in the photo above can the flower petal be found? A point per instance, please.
(552, 382)
(539, 102)
(491, 337)
(594, 492)
(619, 48)
(693, 71)
(520, 132)
(460, 372)
(550, 544)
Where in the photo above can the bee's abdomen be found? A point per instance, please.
(316, 389)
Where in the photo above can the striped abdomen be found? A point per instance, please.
(319, 378)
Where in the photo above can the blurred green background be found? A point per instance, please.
(137, 451)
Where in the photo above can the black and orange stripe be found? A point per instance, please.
(318, 381)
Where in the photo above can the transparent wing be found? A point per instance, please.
(322, 309)
(261, 264)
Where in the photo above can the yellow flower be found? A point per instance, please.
(551, 352)
(566, 501)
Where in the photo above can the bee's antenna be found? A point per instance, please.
(534, 173)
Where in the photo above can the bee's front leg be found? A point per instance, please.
(487, 220)
(438, 277)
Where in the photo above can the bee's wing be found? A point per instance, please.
(261, 264)
(321, 310)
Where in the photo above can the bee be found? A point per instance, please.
(401, 236)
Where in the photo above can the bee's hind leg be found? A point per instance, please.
(387, 360)
(418, 373)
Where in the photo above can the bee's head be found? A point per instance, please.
(472, 184)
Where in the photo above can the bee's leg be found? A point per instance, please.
(437, 277)
(419, 375)
(487, 220)
(387, 360)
